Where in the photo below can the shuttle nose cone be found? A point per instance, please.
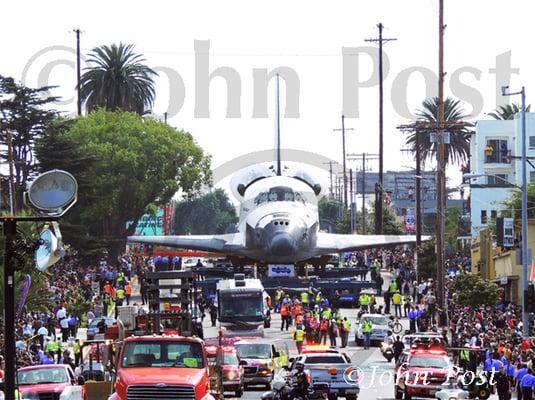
(282, 244)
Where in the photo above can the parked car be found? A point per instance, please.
(49, 381)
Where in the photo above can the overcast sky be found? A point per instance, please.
(308, 38)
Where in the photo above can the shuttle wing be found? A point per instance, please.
(228, 244)
(333, 243)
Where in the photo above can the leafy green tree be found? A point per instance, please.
(427, 260)
(512, 206)
(23, 118)
(117, 79)
(507, 111)
(129, 163)
(390, 224)
(458, 149)
(473, 290)
(329, 211)
(210, 214)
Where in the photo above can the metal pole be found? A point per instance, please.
(363, 193)
(279, 170)
(351, 203)
(10, 231)
(525, 319)
(331, 176)
(344, 160)
(418, 194)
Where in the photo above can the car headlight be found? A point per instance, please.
(232, 375)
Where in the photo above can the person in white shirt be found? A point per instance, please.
(61, 314)
(43, 333)
(64, 325)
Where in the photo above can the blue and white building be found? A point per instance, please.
(493, 149)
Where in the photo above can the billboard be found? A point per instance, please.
(149, 225)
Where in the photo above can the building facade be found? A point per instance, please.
(495, 149)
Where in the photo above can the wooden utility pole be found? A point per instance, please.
(331, 176)
(351, 202)
(379, 188)
(344, 129)
(441, 295)
(365, 157)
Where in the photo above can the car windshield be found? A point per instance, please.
(253, 350)
(428, 362)
(325, 360)
(230, 359)
(42, 375)
(378, 320)
(95, 322)
(163, 354)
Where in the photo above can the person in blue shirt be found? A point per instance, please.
(413, 314)
(518, 376)
(527, 384)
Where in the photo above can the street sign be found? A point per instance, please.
(508, 232)
(279, 270)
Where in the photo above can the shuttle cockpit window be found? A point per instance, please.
(279, 193)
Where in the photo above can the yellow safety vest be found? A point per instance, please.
(367, 327)
(396, 299)
(464, 355)
(347, 325)
(299, 335)
(304, 297)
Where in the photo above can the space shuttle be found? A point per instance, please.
(278, 221)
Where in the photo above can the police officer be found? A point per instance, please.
(301, 382)
(526, 384)
(396, 300)
(367, 327)
(502, 384)
(346, 328)
(299, 337)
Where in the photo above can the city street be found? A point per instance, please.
(367, 360)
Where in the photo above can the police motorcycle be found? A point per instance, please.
(295, 385)
(387, 348)
(451, 390)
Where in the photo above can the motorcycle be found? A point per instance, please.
(387, 350)
(283, 386)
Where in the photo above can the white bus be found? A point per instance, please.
(243, 306)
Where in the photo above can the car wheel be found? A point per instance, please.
(407, 396)
(239, 392)
(351, 397)
(483, 393)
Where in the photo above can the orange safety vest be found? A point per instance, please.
(128, 290)
(324, 325)
(284, 310)
(298, 319)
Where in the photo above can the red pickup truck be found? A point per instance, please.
(48, 381)
(162, 367)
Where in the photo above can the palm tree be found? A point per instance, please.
(458, 149)
(118, 80)
(507, 111)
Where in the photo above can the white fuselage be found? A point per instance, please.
(279, 218)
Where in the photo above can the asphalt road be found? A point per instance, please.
(369, 361)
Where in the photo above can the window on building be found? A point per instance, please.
(532, 141)
(493, 214)
(498, 180)
(497, 151)
(483, 216)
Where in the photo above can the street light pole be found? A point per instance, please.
(524, 188)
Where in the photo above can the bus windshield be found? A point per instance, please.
(247, 304)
